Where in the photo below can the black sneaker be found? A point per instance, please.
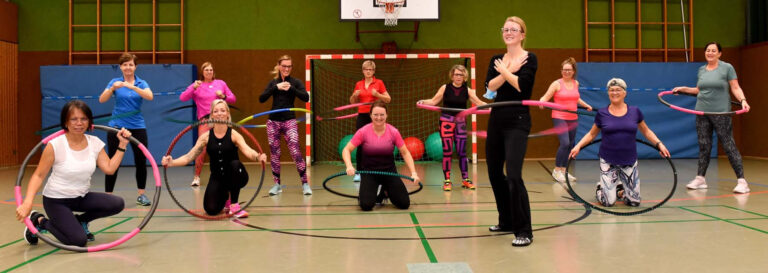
(29, 237)
(88, 234)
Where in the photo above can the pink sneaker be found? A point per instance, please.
(234, 208)
(697, 183)
(226, 206)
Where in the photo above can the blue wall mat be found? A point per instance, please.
(86, 82)
(644, 81)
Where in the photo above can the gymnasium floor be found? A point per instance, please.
(709, 230)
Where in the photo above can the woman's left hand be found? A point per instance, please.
(745, 105)
(589, 108)
(262, 158)
(663, 150)
(500, 66)
(220, 94)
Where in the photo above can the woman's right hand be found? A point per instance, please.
(284, 86)
(117, 84)
(197, 83)
(23, 211)
(574, 152)
(350, 171)
(123, 136)
(167, 160)
(678, 89)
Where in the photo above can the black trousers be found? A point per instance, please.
(219, 188)
(139, 160)
(391, 185)
(505, 147)
(362, 120)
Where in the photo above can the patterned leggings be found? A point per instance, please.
(289, 130)
(611, 176)
(452, 129)
(722, 126)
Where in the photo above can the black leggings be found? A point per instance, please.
(139, 160)
(362, 120)
(220, 189)
(393, 186)
(722, 126)
(506, 145)
(65, 225)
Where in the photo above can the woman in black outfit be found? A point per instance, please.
(512, 75)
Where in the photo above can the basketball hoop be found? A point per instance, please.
(391, 10)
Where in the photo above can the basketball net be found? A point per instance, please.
(391, 11)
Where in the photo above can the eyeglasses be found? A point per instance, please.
(368, 69)
(458, 75)
(566, 70)
(510, 30)
(286, 66)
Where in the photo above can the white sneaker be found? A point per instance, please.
(306, 189)
(356, 178)
(741, 186)
(558, 176)
(697, 183)
(195, 182)
(276, 189)
(571, 177)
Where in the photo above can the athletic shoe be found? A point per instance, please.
(226, 206)
(235, 208)
(571, 178)
(698, 183)
(558, 176)
(29, 237)
(195, 182)
(522, 241)
(356, 178)
(88, 233)
(306, 189)
(143, 200)
(447, 185)
(467, 184)
(741, 186)
(276, 189)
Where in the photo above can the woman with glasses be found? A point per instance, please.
(512, 75)
(454, 94)
(566, 93)
(369, 89)
(619, 124)
(284, 90)
(129, 92)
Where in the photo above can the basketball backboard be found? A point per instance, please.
(371, 10)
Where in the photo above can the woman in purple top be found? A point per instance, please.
(203, 92)
(619, 123)
(380, 140)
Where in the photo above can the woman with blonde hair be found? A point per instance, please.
(284, 90)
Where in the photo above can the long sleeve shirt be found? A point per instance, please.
(284, 99)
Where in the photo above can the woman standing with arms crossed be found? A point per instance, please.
(284, 90)
(129, 92)
(203, 92)
(512, 75)
(566, 93)
(715, 79)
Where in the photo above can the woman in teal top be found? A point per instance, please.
(129, 92)
(715, 79)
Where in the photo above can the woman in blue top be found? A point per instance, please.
(715, 79)
(619, 123)
(129, 92)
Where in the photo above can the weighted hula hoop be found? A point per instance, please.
(448, 109)
(546, 104)
(265, 126)
(325, 182)
(696, 112)
(173, 144)
(598, 208)
(272, 112)
(348, 106)
(49, 240)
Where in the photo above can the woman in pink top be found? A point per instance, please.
(369, 89)
(565, 92)
(203, 92)
(379, 140)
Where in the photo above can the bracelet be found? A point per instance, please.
(121, 149)
(742, 100)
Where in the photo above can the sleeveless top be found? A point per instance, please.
(221, 151)
(455, 97)
(568, 98)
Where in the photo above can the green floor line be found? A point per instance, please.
(747, 211)
(55, 250)
(7, 244)
(726, 220)
(424, 242)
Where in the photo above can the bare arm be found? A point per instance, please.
(106, 94)
(685, 89)
(346, 155)
(110, 165)
(382, 96)
(473, 97)
(145, 93)
(650, 136)
(739, 94)
(46, 161)
(589, 136)
(435, 99)
(252, 154)
(409, 162)
(585, 104)
(191, 155)
(553, 87)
